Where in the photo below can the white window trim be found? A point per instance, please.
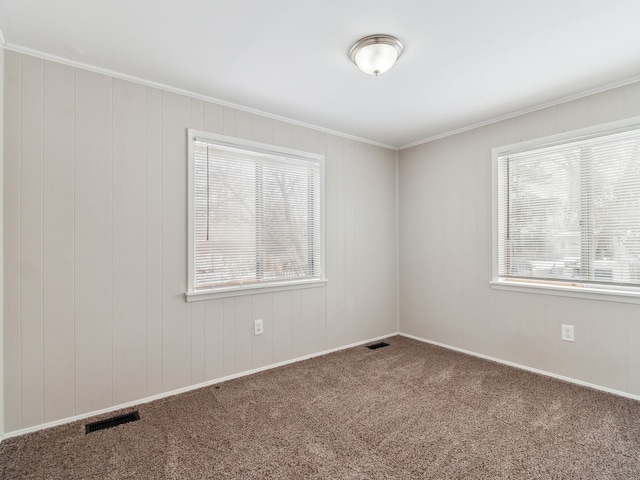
(192, 294)
(559, 288)
(224, 292)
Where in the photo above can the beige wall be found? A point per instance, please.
(445, 258)
(95, 247)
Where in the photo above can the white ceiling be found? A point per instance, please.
(465, 61)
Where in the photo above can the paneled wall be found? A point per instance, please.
(95, 233)
(445, 257)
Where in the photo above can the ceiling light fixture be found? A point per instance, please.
(376, 54)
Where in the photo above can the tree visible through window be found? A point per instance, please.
(257, 216)
(571, 211)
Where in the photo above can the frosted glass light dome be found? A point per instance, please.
(376, 54)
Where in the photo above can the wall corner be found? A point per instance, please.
(1, 243)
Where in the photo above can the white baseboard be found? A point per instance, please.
(524, 367)
(178, 391)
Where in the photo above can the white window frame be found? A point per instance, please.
(246, 289)
(560, 288)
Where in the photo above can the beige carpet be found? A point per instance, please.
(405, 411)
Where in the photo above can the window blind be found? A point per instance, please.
(571, 212)
(257, 216)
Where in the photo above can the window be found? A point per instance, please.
(568, 211)
(255, 215)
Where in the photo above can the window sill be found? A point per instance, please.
(252, 289)
(592, 293)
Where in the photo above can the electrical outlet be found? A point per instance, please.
(258, 327)
(567, 333)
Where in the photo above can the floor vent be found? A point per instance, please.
(377, 345)
(111, 422)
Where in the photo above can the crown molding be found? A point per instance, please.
(179, 91)
(525, 111)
